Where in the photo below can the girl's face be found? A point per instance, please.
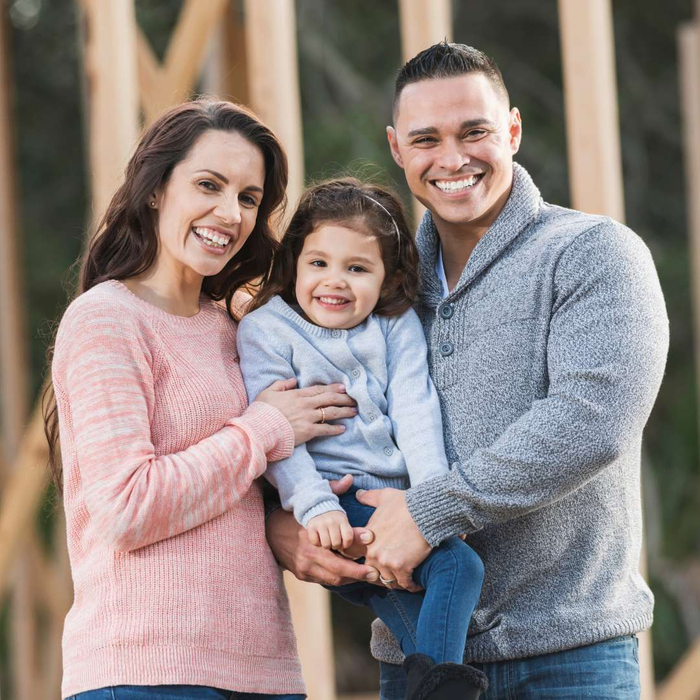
(339, 276)
(208, 207)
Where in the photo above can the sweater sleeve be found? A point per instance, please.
(263, 361)
(413, 404)
(606, 352)
(103, 370)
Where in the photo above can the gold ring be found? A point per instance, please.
(323, 414)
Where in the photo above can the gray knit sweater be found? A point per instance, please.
(547, 357)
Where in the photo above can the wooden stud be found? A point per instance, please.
(187, 47)
(273, 79)
(590, 92)
(423, 23)
(593, 140)
(225, 72)
(110, 62)
(683, 683)
(14, 390)
(14, 375)
(22, 495)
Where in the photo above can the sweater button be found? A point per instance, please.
(336, 334)
(447, 349)
(447, 310)
(356, 373)
(372, 417)
(388, 451)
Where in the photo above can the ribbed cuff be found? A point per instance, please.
(319, 509)
(268, 426)
(435, 515)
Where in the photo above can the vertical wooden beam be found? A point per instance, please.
(225, 72)
(590, 96)
(273, 83)
(273, 79)
(423, 23)
(683, 683)
(593, 140)
(14, 390)
(14, 384)
(110, 62)
(689, 66)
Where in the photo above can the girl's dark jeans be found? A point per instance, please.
(435, 621)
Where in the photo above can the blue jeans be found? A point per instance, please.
(435, 621)
(608, 670)
(174, 692)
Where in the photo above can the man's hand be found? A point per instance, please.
(398, 546)
(330, 530)
(290, 544)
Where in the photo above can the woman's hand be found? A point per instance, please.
(309, 410)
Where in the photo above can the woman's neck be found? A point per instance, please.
(173, 293)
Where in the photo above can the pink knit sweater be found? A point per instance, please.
(174, 580)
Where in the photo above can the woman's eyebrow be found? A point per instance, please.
(224, 179)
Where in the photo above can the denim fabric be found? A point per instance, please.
(433, 622)
(605, 671)
(174, 692)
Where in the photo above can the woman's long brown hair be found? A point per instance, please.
(126, 241)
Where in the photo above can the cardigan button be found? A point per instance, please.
(336, 334)
(388, 451)
(446, 349)
(447, 310)
(356, 373)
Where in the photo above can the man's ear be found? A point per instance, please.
(515, 129)
(394, 145)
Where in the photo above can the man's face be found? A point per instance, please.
(455, 139)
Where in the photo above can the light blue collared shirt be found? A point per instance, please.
(440, 271)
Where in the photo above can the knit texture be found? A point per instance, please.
(547, 364)
(382, 363)
(174, 580)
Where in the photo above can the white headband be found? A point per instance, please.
(396, 228)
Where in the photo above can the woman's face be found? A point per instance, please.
(208, 207)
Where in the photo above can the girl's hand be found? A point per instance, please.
(330, 530)
(310, 410)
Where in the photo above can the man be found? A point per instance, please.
(548, 337)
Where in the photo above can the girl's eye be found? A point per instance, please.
(357, 268)
(318, 263)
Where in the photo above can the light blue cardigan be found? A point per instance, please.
(396, 436)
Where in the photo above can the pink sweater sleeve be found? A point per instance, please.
(135, 497)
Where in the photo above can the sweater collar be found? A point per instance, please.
(520, 209)
(281, 307)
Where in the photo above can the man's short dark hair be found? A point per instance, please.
(445, 60)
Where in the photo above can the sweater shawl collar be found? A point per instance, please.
(520, 210)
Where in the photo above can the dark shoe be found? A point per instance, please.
(430, 681)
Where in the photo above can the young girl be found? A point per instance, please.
(336, 308)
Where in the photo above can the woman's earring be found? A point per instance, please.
(153, 204)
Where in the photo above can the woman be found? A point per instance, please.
(177, 594)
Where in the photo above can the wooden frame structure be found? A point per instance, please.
(124, 79)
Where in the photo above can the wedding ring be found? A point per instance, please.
(323, 414)
(387, 581)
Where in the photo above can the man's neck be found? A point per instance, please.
(456, 250)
